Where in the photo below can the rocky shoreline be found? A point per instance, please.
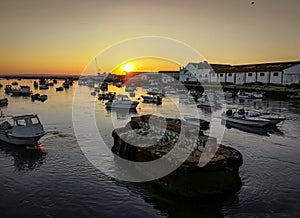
(218, 178)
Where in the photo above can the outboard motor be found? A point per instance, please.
(241, 112)
(229, 113)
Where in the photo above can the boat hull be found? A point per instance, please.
(117, 105)
(247, 122)
(274, 120)
(20, 140)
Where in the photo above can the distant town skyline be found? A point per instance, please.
(63, 37)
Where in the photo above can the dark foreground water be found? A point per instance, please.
(63, 183)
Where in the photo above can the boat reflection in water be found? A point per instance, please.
(25, 158)
(122, 113)
(266, 131)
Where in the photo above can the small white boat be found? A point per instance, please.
(121, 102)
(21, 130)
(239, 117)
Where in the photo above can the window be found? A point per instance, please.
(262, 74)
(205, 75)
(275, 74)
(21, 122)
(249, 74)
(230, 74)
(34, 120)
(213, 75)
(221, 75)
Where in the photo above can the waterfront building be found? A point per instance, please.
(281, 73)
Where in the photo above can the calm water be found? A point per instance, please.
(63, 183)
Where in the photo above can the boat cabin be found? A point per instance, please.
(25, 125)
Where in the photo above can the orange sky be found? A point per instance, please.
(39, 36)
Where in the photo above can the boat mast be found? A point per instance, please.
(98, 69)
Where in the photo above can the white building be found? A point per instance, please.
(197, 72)
(282, 73)
(291, 75)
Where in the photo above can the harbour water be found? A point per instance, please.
(63, 183)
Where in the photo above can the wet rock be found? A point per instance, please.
(218, 178)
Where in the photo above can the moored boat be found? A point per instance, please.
(156, 99)
(3, 101)
(121, 102)
(21, 130)
(274, 118)
(23, 90)
(8, 89)
(35, 84)
(239, 117)
(44, 86)
(59, 88)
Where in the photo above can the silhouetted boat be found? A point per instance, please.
(3, 102)
(156, 99)
(59, 88)
(23, 90)
(8, 89)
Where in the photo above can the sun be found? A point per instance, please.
(128, 67)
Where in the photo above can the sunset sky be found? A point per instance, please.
(64, 36)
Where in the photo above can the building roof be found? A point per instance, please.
(265, 67)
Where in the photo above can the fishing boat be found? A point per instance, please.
(23, 90)
(66, 85)
(204, 101)
(156, 99)
(44, 87)
(21, 130)
(121, 102)
(35, 84)
(39, 97)
(3, 102)
(59, 88)
(239, 117)
(8, 89)
(155, 91)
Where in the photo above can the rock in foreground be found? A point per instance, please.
(218, 178)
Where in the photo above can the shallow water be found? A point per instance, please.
(62, 182)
